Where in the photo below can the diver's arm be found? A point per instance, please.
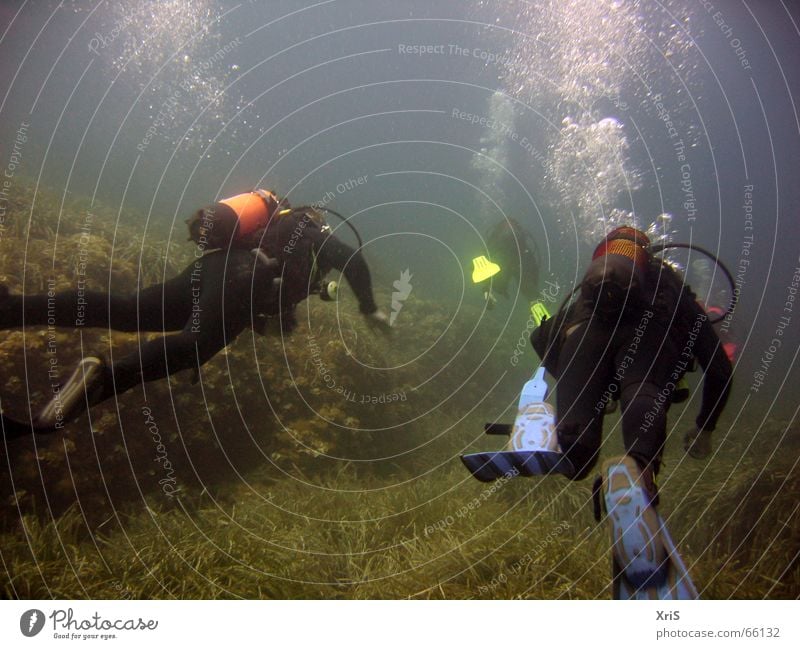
(717, 374)
(334, 253)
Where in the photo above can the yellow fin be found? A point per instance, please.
(483, 269)
(539, 313)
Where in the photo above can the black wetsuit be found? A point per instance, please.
(637, 357)
(513, 249)
(209, 304)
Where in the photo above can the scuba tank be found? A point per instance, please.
(233, 221)
(610, 282)
(616, 279)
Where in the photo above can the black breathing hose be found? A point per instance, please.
(690, 246)
(344, 219)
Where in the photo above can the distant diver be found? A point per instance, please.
(256, 259)
(512, 253)
(632, 333)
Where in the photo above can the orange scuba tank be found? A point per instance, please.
(233, 220)
(253, 209)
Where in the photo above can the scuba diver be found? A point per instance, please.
(631, 335)
(256, 259)
(512, 253)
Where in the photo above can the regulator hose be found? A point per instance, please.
(690, 246)
(344, 219)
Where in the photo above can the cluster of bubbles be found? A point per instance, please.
(583, 49)
(493, 156)
(588, 167)
(172, 51)
(569, 58)
(699, 271)
(661, 231)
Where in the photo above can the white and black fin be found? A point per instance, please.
(80, 390)
(645, 562)
(490, 466)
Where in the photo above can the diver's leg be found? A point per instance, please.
(499, 283)
(94, 382)
(644, 426)
(646, 563)
(165, 356)
(585, 381)
(162, 307)
(222, 311)
(63, 309)
(529, 283)
(168, 306)
(646, 390)
(629, 495)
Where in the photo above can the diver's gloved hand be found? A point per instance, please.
(697, 443)
(378, 320)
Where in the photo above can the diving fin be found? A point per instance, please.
(539, 313)
(532, 447)
(490, 466)
(483, 269)
(83, 388)
(645, 562)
